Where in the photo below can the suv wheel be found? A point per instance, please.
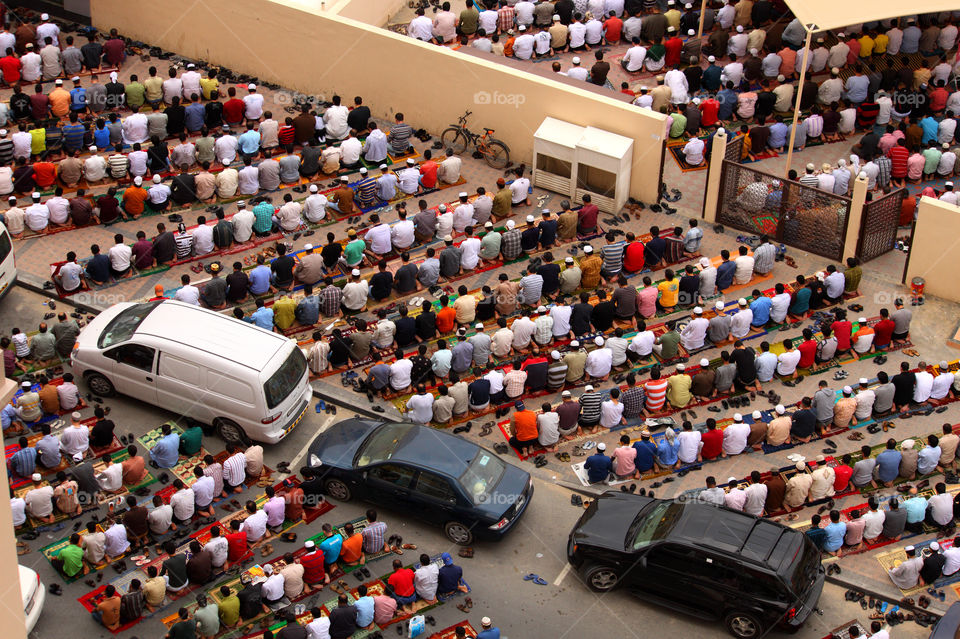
(458, 533)
(600, 578)
(742, 625)
(100, 385)
(338, 490)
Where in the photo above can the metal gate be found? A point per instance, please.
(804, 217)
(878, 225)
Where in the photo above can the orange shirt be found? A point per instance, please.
(45, 173)
(525, 425)
(352, 548)
(133, 199)
(446, 319)
(59, 102)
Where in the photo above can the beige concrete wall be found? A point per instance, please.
(934, 254)
(373, 12)
(310, 51)
(11, 601)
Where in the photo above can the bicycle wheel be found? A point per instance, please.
(453, 138)
(496, 154)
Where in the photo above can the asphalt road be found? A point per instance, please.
(562, 608)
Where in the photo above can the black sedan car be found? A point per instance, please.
(699, 559)
(438, 477)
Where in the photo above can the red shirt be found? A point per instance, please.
(312, 563)
(446, 319)
(673, 47)
(612, 28)
(587, 216)
(841, 476)
(938, 99)
(294, 504)
(633, 257)
(843, 330)
(709, 109)
(114, 51)
(236, 545)
(808, 353)
(883, 332)
(428, 172)
(233, 111)
(287, 134)
(44, 173)
(712, 444)
(11, 69)
(402, 582)
(898, 161)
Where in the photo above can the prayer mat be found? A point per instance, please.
(765, 155)
(90, 600)
(843, 631)
(183, 470)
(766, 224)
(451, 632)
(149, 439)
(676, 151)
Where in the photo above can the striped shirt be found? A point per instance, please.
(118, 165)
(556, 374)
(612, 255)
(330, 300)
(366, 192)
(885, 166)
(6, 151)
(215, 471)
(399, 137)
(373, 537)
(543, 331)
(73, 136)
(656, 391)
(590, 408)
(184, 244)
(235, 469)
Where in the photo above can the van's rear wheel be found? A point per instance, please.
(600, 578)
(231, 432)
(338, 490)
(100, 385)
(742, 625)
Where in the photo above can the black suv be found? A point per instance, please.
(706, 561)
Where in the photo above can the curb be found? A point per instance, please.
(343, 398)
(29, 282)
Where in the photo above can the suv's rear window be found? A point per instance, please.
(285, 380)
(802, 572)
(124, 325)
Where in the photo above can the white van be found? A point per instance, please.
(8, 263)
(246, 381)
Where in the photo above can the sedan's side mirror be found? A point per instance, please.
(642, 562)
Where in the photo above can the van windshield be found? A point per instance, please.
(649, 526)
(5, 245)
(124, 325)
(285, 380)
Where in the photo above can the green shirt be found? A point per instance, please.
(72, 557)
(283, 312)
(502, 203)
(679, 125)
(190, 441)
(229, 610)
(469, 21)
(209, 619)
(353, 252)
(490, 245)
(852, 279)
(931, 160)
(669, 341)
(135, 93)
(184, 630)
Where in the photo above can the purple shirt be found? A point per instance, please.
(274, 508)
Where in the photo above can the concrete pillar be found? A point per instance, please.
(11, 602)
(711, 194)
(856, 213)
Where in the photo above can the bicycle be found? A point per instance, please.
(458, 136)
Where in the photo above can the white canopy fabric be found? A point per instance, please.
(831, 14)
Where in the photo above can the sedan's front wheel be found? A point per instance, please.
(457, 533)
(338, 490)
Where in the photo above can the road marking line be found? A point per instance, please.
(295, 462)
(562, 575)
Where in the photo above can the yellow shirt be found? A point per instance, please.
(880, 43)
(678, 390)
(153, 88)
(38, 141)
(866, 46)
(283, 312)
(669, 292)
(207, 85)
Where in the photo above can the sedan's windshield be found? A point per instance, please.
(382, 443)
(482, 476)
(652, 525)
(124, 325)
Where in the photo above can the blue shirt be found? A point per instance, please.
(928, 459)
(331, 548)
(725, 274)
(489, 633)
(7, 415)
(818, 536)
(260, 279)
(98, 268)
(916, 508)
(667, 452)
(49, 450)
(193, 116)
(728, 102)
(449, 579)
(78, 98)
(778, 135)
(101, 138)
(761, 310)
(646, 453)
(166, 452)
(857, 88)
(24, 462)
(598, 467)
(930, 128)
(263, 317)
(888, 465)
(835, 533)
(364, 606)
(249, 142)
(72, 136)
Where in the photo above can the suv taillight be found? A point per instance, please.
(790, 614)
